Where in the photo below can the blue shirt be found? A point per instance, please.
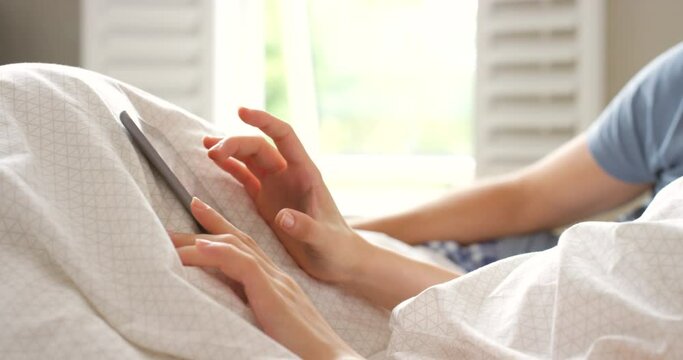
(638, 138)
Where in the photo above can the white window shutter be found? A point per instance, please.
(540, 78)
(163, 47)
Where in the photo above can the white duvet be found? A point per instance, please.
(87, 270)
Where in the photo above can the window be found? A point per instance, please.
(381, 93)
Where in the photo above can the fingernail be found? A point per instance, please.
(198, 204)
(287, 220)
(170, 232)
(212, 151)
(202, 242)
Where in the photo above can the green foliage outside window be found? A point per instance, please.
(392, 77)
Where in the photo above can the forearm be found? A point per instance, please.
(484, 211)
(566, 186)
(387, 278)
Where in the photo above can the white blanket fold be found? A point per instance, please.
(607, 291)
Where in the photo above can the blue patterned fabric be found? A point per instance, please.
(472, 257)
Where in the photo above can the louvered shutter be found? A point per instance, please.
(539, 78)
(164, 47)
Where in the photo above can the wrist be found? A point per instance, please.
(386, 278)
(360, 257)
(362, 267)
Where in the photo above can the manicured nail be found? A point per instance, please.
(287, 220)
(212, 151)
(202, 242)
(198, 204)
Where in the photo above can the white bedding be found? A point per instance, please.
(607, 291)
(86, 267)
(87, 270)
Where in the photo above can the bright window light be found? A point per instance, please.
(381, 93)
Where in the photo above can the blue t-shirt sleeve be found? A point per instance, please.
(639, 137)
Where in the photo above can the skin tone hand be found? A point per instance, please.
(282, 309)
(291, 196)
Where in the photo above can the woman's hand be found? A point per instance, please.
(282, 309)
(290, 195)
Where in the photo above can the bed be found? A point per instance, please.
(87, 269)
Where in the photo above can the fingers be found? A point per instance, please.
(259, 156)
(230, 259)
(185, 243)
(210, 219)
(240, 240)
(245, 177)
(298, 225)
(210, 141)
(285, 139)
(183, 239)
(215, 223)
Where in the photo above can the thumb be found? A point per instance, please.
(296, 224)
